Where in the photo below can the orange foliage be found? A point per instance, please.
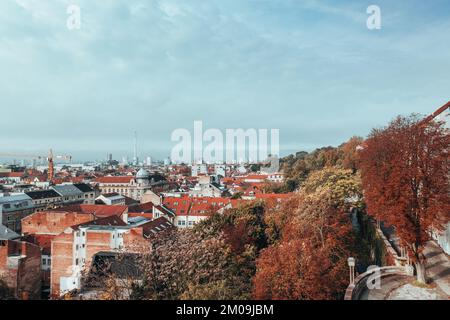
(309, 262)
(405, 170)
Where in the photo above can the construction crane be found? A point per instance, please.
(50, 159)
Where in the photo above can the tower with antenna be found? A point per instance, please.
(135, 156)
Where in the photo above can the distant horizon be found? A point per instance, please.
(158, 154)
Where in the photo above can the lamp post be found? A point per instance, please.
(351, 264)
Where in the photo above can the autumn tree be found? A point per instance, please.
(309, 261)
(344, 185)
(350, 154)
(244, 224)
(405, 169)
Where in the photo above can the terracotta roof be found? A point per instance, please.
(95, 209)
(195, 205)
(148, 215)
(11, 174)
(116, 179)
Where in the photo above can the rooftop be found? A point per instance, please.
(84, 187)
(7, 234)
(67, 190)
(42, 194)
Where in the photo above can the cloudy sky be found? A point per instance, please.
(309, 68)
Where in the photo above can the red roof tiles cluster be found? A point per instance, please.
(114, 179)
(95, 209)
(11, 174)
(196, 205)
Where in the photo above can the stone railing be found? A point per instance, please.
(398, 260)
(354, 291)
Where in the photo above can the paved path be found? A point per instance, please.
(399, 286)
(437, 267)
(388, 284)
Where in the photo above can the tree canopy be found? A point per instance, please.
(405, 169)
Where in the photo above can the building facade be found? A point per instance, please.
(129, 186)
(13, 209)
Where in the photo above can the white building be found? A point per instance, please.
(129, 186)
(198, 169)
(276, 177)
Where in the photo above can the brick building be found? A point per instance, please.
(73, 250)
(20, 264)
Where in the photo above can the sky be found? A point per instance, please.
(311, 69)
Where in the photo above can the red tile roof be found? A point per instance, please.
(195, 205)
(11, 174)
(116, 179)
(148, 215)
(97, 210)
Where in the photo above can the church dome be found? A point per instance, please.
(142, 174)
